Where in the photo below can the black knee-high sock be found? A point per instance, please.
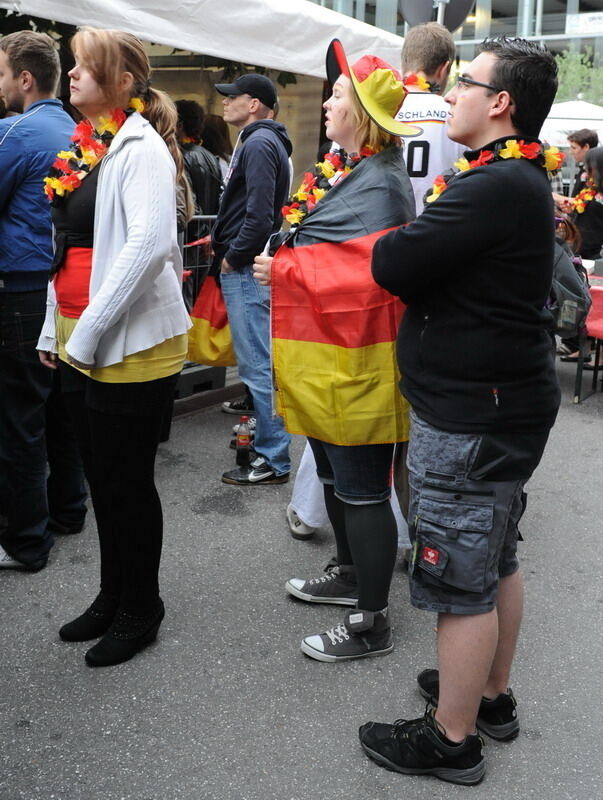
(336, 513)
(372, 538)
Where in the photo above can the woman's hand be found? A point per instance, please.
(262, 269)
(48, 359)
(78, 364)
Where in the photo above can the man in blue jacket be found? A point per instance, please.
(29, 73)
(256, 188)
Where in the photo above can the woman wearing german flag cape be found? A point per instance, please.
(333, 339)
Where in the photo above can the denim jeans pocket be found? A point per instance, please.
(263, 293)
(27, 329)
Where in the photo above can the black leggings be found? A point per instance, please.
(118, 427)
(366, 536)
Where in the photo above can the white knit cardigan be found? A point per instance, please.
(135, 285)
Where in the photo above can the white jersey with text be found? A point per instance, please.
(431, 152)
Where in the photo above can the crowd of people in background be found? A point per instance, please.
(330, 309)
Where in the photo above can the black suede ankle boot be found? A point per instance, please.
(127, 636)
(94, 622)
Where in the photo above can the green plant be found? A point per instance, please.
(580, 77)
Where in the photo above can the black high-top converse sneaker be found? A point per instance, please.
(337, 586)
(361, 634)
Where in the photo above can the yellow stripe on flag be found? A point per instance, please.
(342, 395)
(209, 345)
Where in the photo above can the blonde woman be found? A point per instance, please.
(333, 337)
(116, 324)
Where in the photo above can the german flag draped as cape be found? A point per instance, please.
(333, 329)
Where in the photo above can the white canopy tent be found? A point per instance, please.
(289, 35)
(571, 116)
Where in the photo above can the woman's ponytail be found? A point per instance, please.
(161, 112)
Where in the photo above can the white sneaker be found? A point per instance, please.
(299, 529)
(8, 562)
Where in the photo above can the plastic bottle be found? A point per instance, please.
(243, 443)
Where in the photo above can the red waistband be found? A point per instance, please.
(72, 282)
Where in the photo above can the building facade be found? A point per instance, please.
(560, 24)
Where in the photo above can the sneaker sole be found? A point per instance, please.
(464, 777)
(328, 659)
(310, 598)
(260, 482)
(301, 536)
(501, 733)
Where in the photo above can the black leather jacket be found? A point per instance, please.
(205, 177)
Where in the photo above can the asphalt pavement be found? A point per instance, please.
(225, 707)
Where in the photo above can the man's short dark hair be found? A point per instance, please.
(192, 117)
(35, 53)
(528, 72)
(583, 137)
(426, 47)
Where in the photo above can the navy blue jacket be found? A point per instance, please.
(28, 146)
(257, 188)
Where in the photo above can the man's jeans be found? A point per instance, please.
(248, 306)
(25, 386)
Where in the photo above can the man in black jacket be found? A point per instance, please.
(475, 271)
(250, 211)
(202, 168)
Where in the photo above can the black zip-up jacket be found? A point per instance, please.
(250, 209)
(205, 177)
(475, 270)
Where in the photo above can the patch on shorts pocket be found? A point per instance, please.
(452, 541)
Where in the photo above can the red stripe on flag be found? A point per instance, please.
(210, 305)
(325, 293)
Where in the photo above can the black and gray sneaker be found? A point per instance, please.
(337, 586)
(419, 747)
(497, 718)
(242, 406)
(360, 635)
(259, 471)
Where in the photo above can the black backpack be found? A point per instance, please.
(569, 300)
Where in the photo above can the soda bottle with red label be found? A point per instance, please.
(243, 447)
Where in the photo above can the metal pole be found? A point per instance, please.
(441, 6)
(539, 12)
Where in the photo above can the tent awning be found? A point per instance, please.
(570, 116)
(289, 35)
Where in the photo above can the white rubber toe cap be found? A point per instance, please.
(315, 642)
(297, 583)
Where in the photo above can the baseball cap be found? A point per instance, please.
(258, 86)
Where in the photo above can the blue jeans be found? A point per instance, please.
(248, 306)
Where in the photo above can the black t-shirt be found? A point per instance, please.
(73, 219)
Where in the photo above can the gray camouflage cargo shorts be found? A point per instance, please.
(463, 531)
